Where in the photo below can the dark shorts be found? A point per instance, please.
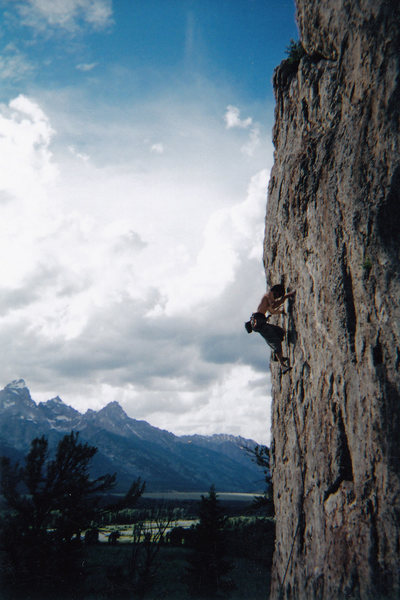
(272, 334)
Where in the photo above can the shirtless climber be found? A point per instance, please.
(273, 299)
(273, 334)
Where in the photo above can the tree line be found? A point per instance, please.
(51, 504)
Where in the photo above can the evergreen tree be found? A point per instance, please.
(260, 455)
(208, 570)
(48, 504)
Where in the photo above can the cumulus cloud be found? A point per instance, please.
(27, 170)
(25, 148)
(130, 242)
(180, 373)
(131, 280)
(252, 143)
(231, 234)
(65, 14)
(232, 118)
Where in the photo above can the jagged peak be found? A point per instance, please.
(17, 384)
(53, 402)
(221, 438)
(56, 400)
(57, 405)
(17, 391)
(16, 396)
(113, 408)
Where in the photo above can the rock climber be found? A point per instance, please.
(273, 299)
(273, 334)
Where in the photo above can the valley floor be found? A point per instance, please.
(108, 580)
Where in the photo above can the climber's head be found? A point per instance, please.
(278, 290)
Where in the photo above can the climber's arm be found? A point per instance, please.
(277, 303)
(280, 301)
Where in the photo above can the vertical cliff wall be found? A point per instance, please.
(333, 233)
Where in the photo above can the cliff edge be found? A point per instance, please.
(333, 233)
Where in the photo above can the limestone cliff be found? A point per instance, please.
(333, 233)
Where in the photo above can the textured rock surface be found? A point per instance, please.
(333, 233)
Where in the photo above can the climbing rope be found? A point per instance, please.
(290, 555)
(299, 519)
(298, 442)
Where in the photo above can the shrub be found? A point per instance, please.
(295, 52)
(367, 264)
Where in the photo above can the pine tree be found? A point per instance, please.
(260, 455)
(48, 504)
(208, 570)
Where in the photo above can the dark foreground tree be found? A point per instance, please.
(260, 455)
(48, 503)
(207, 575)
(149, 533)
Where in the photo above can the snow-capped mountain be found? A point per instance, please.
(15, 397)
(58, 413)
(129, 447)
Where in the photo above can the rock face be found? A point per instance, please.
(333, 233)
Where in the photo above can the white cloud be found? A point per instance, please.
(26, 157)
(130, 277)
(252, 143)
(232, 118)
(85, 67)
(80, 155)
(157, 148)
(65, 14)
(27, 165)
(221, 408)
(27, 173)
(14, 65)
(230, 234)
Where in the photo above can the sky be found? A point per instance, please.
(136, 147)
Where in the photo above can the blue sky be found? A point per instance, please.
(148, 46)
(136, 149)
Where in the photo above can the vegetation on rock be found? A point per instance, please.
(294, 51)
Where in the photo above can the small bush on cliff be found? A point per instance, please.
(288, 67)
(367, 265)
(295, 52)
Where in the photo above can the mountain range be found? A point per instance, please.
(129, 447)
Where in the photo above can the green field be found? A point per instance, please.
(222, 496)
(107, 576)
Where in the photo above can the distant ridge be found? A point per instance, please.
(130, 447)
